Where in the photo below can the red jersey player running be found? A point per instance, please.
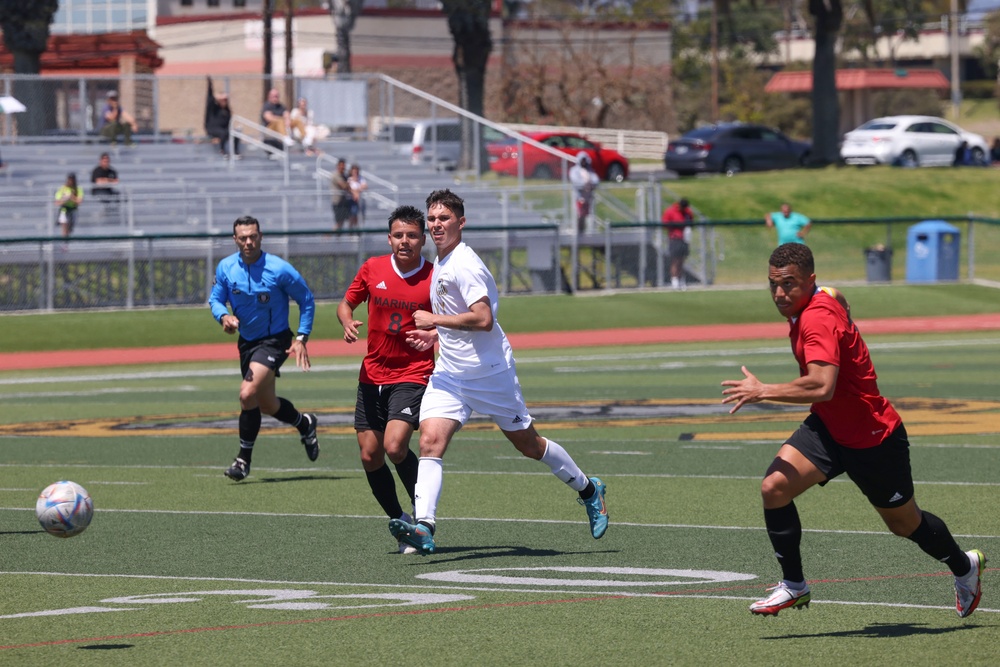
(394, 372)
(851, 428)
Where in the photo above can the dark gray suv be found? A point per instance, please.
(730, 148)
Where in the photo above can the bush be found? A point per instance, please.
(979, 90)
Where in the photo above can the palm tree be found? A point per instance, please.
(25, 25)
(469, 23)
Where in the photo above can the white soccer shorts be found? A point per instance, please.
(497, 396)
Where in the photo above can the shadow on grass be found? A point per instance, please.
(105, 647)
(295, 478)
(886, 631)
(456, 554)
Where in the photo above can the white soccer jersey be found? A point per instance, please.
(461, 279)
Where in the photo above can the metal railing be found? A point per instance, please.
(130, 271)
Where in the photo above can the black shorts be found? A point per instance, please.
(882, 473)
(678, 248)
(379, 404)
(270, 351)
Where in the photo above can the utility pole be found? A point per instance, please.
(715, 61)
(956, 90)
(268, 43)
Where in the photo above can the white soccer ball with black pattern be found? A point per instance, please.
(64, 509)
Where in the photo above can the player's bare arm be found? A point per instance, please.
(345, 313)
(478, 318)
(816, 386)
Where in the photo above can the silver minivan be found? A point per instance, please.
(437, 141)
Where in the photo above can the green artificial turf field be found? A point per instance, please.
(295, 566)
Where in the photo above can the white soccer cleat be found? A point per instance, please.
(782, 597)
(968, 589)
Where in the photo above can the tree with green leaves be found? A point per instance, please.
(25, 26)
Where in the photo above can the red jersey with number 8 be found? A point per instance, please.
(392, 297)
(857, 416)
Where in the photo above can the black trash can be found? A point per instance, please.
(878, 261)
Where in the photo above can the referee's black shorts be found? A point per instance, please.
(270, 351)
(882, 473)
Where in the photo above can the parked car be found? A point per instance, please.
(730, 148)
(437, 140)
(610, 165)
(910, 141)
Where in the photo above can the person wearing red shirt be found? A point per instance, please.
(677, 219)
(851, 428)
(394, 372)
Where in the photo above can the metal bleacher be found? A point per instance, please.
(188, 187)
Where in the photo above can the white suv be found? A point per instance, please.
(437, 141)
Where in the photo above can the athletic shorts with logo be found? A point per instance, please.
(497, 396)
(882, 472)
(377, 405)
(269, 350)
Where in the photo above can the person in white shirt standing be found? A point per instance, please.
(584, 180)
(474, 372)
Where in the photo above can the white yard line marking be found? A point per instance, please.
(485, 589)
(557, 522)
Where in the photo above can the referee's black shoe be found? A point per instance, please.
(238, 471)
(309, 440)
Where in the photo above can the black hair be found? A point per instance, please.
(407, 213)
(797, 254)
(449, 200)
(245, 221)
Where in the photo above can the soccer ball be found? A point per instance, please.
(64, 509)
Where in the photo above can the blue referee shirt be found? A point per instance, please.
(259, 295)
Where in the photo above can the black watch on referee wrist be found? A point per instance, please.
(302, 338)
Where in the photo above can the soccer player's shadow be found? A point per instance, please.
(291, 478)
(458, 554)
(886, 631)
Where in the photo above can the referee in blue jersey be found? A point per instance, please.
(257, 286)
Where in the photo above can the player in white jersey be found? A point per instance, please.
(474, 372)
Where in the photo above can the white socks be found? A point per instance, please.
(563, 466)
(430, 476)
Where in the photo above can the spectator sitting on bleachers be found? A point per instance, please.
(303, 127)
(275, 116)
(115, 121)
(102, 177)
(218, 115)
(68, 198)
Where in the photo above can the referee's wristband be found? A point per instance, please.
(302, 338)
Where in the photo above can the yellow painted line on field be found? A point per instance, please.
(922, 416)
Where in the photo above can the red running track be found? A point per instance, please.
(319, 348)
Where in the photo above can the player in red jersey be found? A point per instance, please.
(851, 428)
(394, 372)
